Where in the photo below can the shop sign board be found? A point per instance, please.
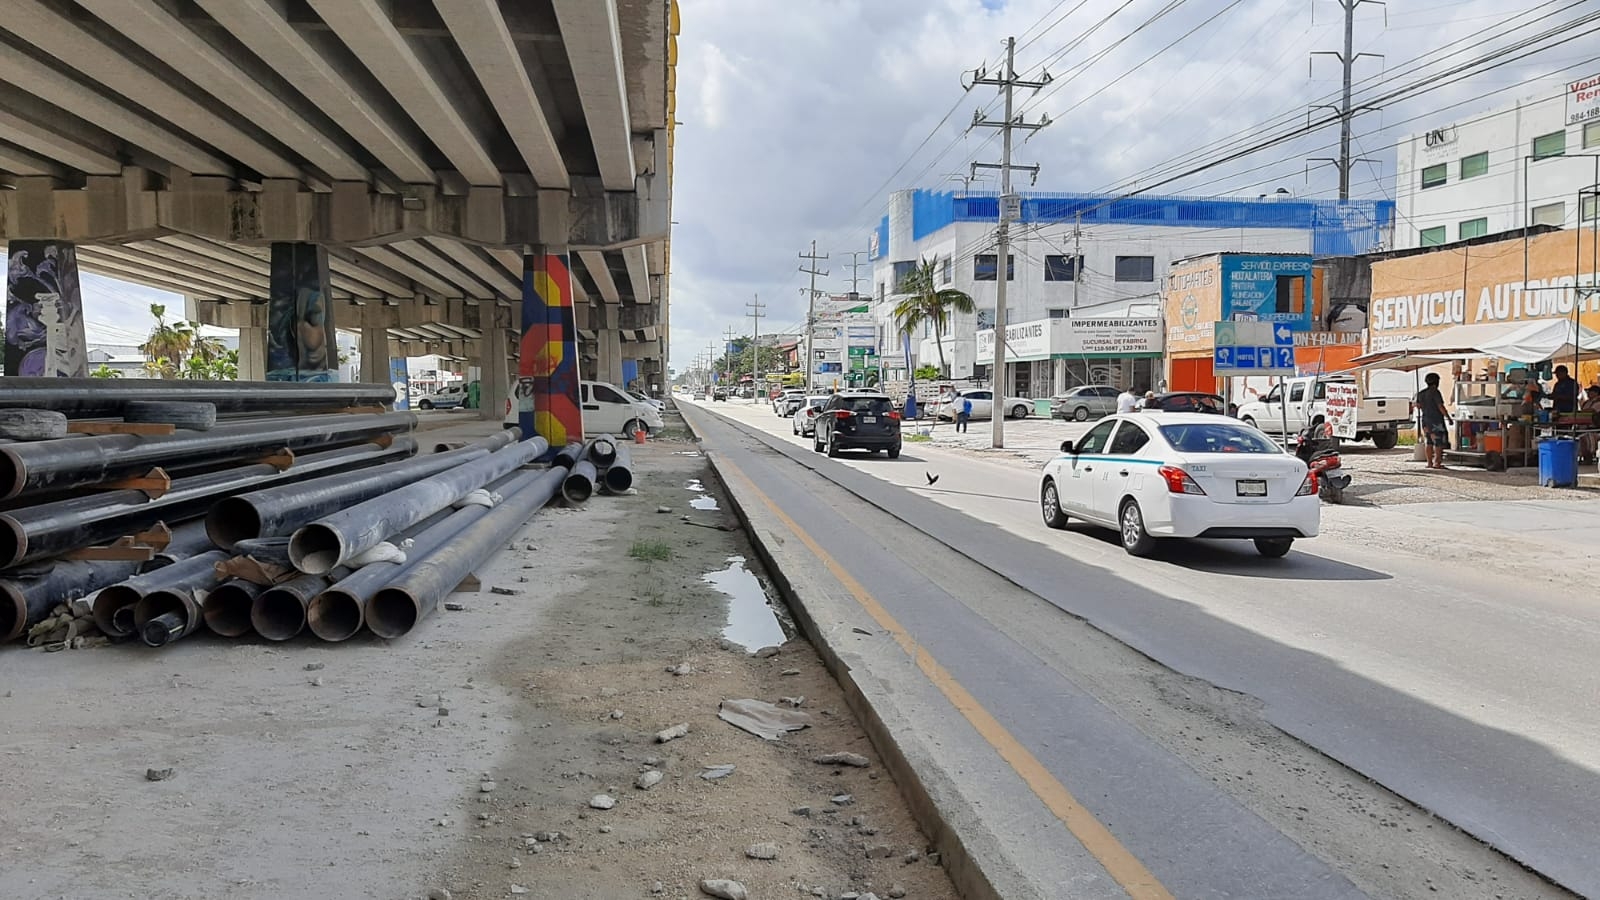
(1111, 337)
(1343, 408)
(1192, 302)
(1583, 100)
(1253, 348)
(1268, 288)
(1025, 342)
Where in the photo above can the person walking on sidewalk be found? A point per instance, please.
(1127, 401)
(1435, 420)
(964, 414)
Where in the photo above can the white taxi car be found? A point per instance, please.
(1182, 475)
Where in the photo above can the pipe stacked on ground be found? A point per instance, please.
(80, 461)
(50, 529)
(333, 540)
(115, 606)
(27, 595)
(568, 456)
(410, 598)
(278, 511)
(603, 450)
(339, 612)
(279, 612)
(578, 486)
(98, 398)
(618, 476)
(188, 539)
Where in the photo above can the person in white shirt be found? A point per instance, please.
(1127, 401)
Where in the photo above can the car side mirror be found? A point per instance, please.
(1066, 447)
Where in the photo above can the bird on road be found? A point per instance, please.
(932, 478)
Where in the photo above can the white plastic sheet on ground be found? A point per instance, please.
(762, 719)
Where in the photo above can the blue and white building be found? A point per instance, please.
(1086, 255)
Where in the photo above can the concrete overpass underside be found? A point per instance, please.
(435, 148)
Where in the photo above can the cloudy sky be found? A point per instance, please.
(799, 116)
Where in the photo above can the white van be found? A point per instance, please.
(607, 409)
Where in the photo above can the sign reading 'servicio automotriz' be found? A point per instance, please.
(1267, 289)
(1583, 100)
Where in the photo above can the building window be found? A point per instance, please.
(1548, 145)
(985, 319)
(901, 270)
(1060, 312)
(1472, 166)
(1587, 209)
(1433, 176)
(1472, 228)
(1591, 135)
(1136, 268)
(1062, 267)
(1431, 237)
(1549, 214)
(946, 274)
(984, 267)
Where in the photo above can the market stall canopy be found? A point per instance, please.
(1523, 342)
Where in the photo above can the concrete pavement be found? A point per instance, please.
(953, 614)
(1418, 652)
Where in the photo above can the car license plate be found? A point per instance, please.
(869, 418)
(1251, 488)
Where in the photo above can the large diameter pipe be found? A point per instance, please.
(331, 541)
(568, 456)
(618, 476)
(603, 450)
(278, 511)
(26, 597)
(187, 540)
(100, 398)
(279, 613)
(338, 613)
(50, 529)
(161, 617)
(578, 486)
(227, 609)
(397, 608)
(80, 461)
(115, 607)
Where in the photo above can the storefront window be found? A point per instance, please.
(1474, 165)
(1433, 176)
(1431, 237)
(1548, 145)
(1474, 228)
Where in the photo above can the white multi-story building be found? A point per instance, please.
(1102, 255)
(1524, 163)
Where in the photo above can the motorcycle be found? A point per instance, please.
(1319, 450)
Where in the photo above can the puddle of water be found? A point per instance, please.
(751, 622)
(704, 502)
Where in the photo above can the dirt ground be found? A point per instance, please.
(464, 758)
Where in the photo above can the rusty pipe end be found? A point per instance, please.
(13, 612)
(316, 549)
(227, 609)
(108, 603)
(13, 474)
(392, 612)
(13, 542)
(278, 615)
(335, 615)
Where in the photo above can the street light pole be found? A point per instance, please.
(756, 314)
(811, 309)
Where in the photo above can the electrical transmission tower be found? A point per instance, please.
(1346, 112)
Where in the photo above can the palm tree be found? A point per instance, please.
(167, 344)
(925, 303)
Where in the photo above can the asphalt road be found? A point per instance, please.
(1391, 644)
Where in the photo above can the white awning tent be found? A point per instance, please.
(1523, 342)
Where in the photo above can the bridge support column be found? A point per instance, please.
(301, 344)
(547, 376)
(44, 311)
(494, 362)
(252, 354)
(608, 347)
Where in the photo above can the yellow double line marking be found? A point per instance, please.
(1123, 867)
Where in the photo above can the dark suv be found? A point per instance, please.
(858, 420)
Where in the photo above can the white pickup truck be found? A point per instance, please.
(1378, 419)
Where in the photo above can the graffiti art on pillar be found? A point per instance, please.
(301, 344)
(400, 377)
(44, 311)
(547, 374)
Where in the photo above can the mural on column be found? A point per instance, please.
(400, 377)
(44, 311)
(547, 374)
(301, 344)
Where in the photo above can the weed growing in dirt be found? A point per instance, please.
(650, 551)
(916, 438)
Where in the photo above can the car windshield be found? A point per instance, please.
(1191, 403)
(1217, 437)
(865, 404)
(817, 402)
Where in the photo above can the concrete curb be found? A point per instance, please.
(969, 849)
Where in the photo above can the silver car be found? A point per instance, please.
(805, 418)
(1080, 404)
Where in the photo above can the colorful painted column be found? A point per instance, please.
(301, 344)
(547, 374)
(44, 311)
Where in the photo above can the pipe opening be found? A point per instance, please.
(232, 520)
(391, 613)
(577, 488)
(618, 479)
(13, 475)
(13, 613)
(13, 542)
(163, 629)
(160, 603)
(108, 603)
(334, 615)
(316, 549)
(278, 615)
(227, 609)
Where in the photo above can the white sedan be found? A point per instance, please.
(1182, 475)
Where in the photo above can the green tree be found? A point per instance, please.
(925, 303)
(105, 371)
(772, 360)
(167, 345)
(926, 372)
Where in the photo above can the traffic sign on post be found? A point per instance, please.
(1283, 336)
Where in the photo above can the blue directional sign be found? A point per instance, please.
(1222, 358)
(1245, 358)
(1283, 335)
(1285, 357)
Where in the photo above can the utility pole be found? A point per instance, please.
(855, 269)
(1077, 255)
(1010, 208)
(755, 313)
(727, 356)
(1346, 112)
(811, 309)
(711, 367)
